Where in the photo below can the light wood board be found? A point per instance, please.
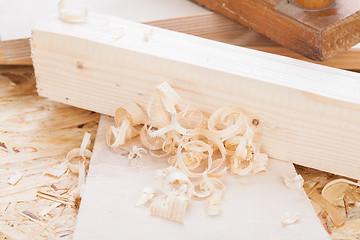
(252, 206)
(308, 114)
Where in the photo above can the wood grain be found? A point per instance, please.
(309, 114)
(254, 204)
(318, 35)
(216, 27)
(3, 61)
(313, 4)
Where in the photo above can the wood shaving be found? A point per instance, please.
(145, 196)
(136, 152)
(126, 117)
(289, 218)
(295, 182)
(172, 208)
(78, 156)
(15, 178)
(57, 170)
(199, 148)
(213, 204)
(340, 180)
(71, 15)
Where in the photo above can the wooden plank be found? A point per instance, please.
(16, 49)
(308, 114)
(3, 61)
(319, 34)
(216, 27)
(250, 210)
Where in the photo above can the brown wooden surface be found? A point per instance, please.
(24, 61)
(318, 35)
(313, 4)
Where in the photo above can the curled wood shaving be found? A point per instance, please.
(201, 149)
(71, 15)
(77, 162)
(176, 181)
(289, 218)
(136, 152)
(76, 156)
(295, 182)
(336, 191)
(340, 180)
(126, 117)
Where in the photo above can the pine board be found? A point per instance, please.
(252, 206)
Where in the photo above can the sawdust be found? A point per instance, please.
(35, 136)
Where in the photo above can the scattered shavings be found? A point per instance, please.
(289, 218)
(200, 149)
(295, 182)
(15, 178)
(27, 146)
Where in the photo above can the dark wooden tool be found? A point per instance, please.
(317, 29)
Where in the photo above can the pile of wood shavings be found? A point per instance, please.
(200, 149)
(35, 136)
